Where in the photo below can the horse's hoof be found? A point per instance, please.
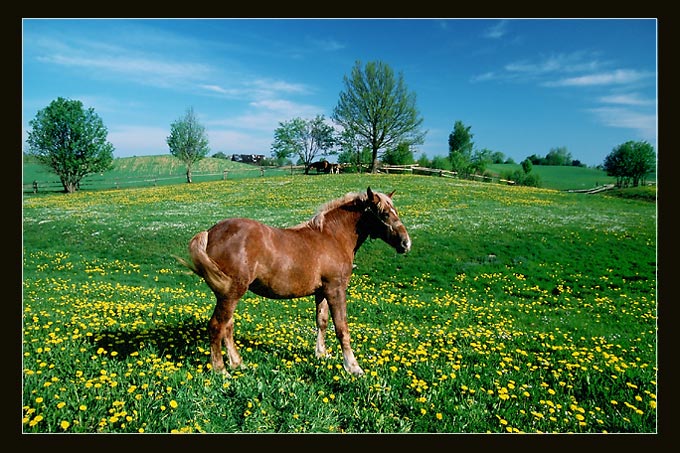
(354, 370)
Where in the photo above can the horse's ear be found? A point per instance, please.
(391, 193)
(369, 192)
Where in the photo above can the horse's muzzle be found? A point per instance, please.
(404, 246)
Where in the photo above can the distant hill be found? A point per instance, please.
(142, 170)
(560, 177)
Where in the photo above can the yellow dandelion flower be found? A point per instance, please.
(173, 404)
(64, 425)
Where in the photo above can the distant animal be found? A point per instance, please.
(320, 166)
(334, 168)
(313, 258)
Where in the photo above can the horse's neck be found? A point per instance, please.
(343, 223)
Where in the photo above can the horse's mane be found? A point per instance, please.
(317, 222)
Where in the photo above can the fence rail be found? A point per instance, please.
(418, 170)
(112, 182)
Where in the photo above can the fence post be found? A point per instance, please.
(225, 173)
(261, 171)
(35, 186)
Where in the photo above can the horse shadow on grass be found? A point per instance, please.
(188, 340)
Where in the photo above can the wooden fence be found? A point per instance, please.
(418, 170)
(100, 182)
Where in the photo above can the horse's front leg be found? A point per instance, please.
(321, 324)
(337, 302)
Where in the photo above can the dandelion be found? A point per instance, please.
(173, 404)
(64, 425)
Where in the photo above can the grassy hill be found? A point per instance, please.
(560, 178)
(143, 171)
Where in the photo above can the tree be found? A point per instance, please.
(630, 163)
(460, 148)
(401, 155)
(71, 141)
(480, 160)
(377, 107)
(558, 156)
(304, 138)
(188, 141)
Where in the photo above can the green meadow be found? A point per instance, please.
(518, 310)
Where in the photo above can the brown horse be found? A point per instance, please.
(321, 166)
(315, 257)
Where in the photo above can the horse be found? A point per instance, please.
(321, 166)
(315, 257)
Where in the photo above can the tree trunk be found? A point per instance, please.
(189, 175)
(374, 163)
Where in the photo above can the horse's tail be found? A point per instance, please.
(205, 266)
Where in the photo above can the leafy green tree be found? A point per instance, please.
(423, 161)
(188, 140)
(630, 163)
(401, 155)
(354, 150)
(460, 148)
(480, 160)
(497, 157)
(71, 141)
(304, 138)
(558, 156)
(441, 163)
(378, 107)
(220, 155)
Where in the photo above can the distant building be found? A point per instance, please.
(247, 158)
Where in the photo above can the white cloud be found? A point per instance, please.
(643, 123)
(141, 69)
(497, 30)
(632, 99)
(617, 77)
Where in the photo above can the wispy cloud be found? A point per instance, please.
(616, 77)
(497, 30)
(556, 63)
(631, 99)
(327, 45)
(542, 69)
(643, 123)
(119, 62)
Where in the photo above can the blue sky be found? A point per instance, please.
(524, 86)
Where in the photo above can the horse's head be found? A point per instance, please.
(382, 221)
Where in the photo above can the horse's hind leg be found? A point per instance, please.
(221, 329)
(321, 325)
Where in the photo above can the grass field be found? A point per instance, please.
(517, 310)
(145, 171)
